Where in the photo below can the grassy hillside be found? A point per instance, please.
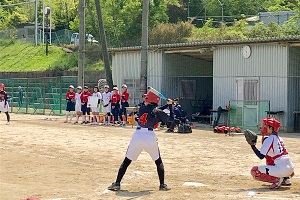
(17, 56)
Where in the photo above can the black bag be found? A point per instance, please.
(184, 128)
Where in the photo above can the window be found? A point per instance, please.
(188, 89)
(247, 89)
(250, 90)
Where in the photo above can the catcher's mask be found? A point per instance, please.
(151, 97)
(269, 121)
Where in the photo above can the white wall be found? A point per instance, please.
(268, 62)
(126, 65)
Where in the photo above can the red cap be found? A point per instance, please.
(151, 97)
(2, 85)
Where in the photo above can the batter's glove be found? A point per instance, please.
(250, 136)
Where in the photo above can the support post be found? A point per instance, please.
(81, 42)
(144, 51)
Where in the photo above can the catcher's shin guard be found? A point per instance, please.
(258, 175)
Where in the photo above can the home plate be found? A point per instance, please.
(193, 184)
(105, 191)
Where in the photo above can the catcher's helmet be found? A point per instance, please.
(151, 97)
(270, 121)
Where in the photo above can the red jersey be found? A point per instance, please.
(70, 96)
(85, 96)
(125, 96)
(115, 98)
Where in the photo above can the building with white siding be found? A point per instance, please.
(206, 75)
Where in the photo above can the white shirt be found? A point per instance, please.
(77, 97)
(273, 146)
(97, 94)
(106, 97)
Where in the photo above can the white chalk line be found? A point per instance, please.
(258, 197)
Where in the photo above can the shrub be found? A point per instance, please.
(171, 33)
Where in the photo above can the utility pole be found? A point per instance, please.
(103, 43)
(36, 22)
(81, 48)
(50, 35)
(43, 21)
(144, 51)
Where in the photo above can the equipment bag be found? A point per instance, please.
(184, 128)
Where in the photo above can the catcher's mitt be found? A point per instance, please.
(250, 136)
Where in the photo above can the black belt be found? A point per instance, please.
(139, 128)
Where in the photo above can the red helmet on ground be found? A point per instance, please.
(270, 121)
(151, 97)
(2, 85)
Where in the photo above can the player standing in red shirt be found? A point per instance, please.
(124, 105)
(70, 97)
(84, 109)
(115, 104)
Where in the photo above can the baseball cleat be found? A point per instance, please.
(164, 187)
(276, 185)
(8, 123)
(114, 186)
(76, 122)
(286, 181)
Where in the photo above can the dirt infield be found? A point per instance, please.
(48, 159)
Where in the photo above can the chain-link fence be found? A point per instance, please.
(39, 95)
(60, 37)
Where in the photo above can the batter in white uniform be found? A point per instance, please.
(144, 138)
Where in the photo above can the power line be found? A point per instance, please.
(17, 4)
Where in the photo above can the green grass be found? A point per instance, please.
(17, 56)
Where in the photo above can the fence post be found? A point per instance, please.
(12, 96)
(27, 100)
(44, 93)
(60, 96)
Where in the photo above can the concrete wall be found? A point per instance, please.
(89, 75)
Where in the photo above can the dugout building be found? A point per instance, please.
(257, 77)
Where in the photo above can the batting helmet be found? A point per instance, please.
(151, 97)
(270, 121)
